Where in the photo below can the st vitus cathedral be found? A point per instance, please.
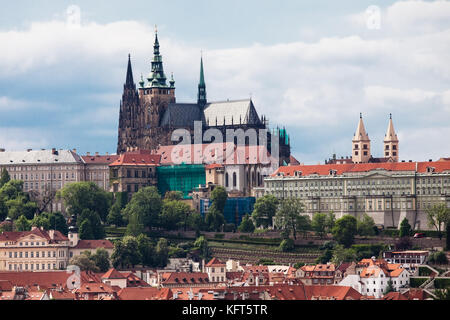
(149, 114)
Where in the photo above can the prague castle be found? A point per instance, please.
(150, 114)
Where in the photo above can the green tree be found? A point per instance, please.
(162, 253)
(325, 257)
(147, 204)
(214, 219)
(330, 221)
(442, 294)
(365, 225)
(101, 259)
(41, 221)
(126, 253)
(22, 224)
(4, 178)
(438, 215)
(219, 198)
(246, 224)
(98, 230)
(79, 196)
(287, 245)
(54, 220)
(135, 226)
(21, 206)
(3, 210)
(174, 214)
(196, 222)
(85, 262)
(345, 230)
(288, 216)
(86, 231)
(389, 288)
(115, 215)
(264, 210)
(201, 244)
(405, 228)
(146, 250)
(319, 224)
(341, 254)
(173, 195)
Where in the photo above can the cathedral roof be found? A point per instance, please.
(181, 115)
(231, 112)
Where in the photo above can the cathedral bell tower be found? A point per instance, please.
(155, 97)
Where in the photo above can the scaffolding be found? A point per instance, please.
(182, 177)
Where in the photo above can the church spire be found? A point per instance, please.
(129, 83)
(157, 77)
(201, 99)
(361, 144)
(391, 146)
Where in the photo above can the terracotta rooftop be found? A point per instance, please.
(144, 293)
(16, 235)
(113, 274)
(100, 159)
(214, 262)
(137, 158)
(94, 244)
(324, 169)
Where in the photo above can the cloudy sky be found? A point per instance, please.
(311, 66)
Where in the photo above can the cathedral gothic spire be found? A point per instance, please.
(201, 99)
(157, 77)
(129, 82)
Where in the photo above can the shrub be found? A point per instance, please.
(287, 245)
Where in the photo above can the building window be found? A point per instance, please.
(234, 179)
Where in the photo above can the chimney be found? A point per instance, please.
(96, 154)
(2, 150)
(88, 153)
(430, 160)
(28, 150)
(53, 150)
(51, 233)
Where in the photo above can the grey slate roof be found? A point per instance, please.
(181, 115)
(38, 157)
(238, 111)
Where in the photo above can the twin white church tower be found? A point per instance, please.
(361, 145)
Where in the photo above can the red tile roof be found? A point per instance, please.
(394, 296)
(5, 285)
(94, 244)
(137, 158)
(15, 235)
(44, 279)
(113, 274)
(147, 293)
(61, 295)
(324, 169)
(214, 262)
(184, 278)
(100, 159)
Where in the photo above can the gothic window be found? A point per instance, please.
(226, 179)
(234, 179)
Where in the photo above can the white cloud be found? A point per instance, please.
(316, 86)
(17, 139)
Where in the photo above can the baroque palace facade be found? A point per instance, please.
(150, 114)
(385, 189)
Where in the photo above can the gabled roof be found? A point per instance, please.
(39, 157)
(232, 112)
(113, 274)
(181, 115)
(215, 262)
(94, 244)
(17, 235)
